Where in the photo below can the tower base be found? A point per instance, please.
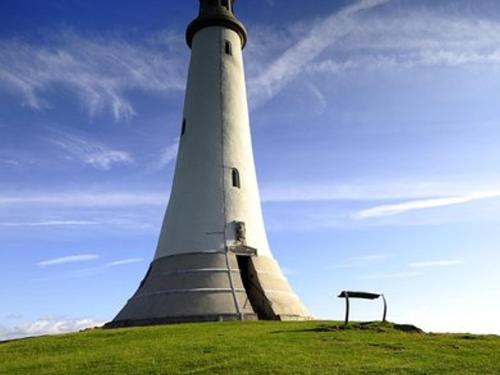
(211, 286)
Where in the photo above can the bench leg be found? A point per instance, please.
(346, 309)
(384, 317)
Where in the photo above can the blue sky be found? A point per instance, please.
(376, 128)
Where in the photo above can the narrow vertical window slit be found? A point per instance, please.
(236, 178)
(183, 129)
(228, 48)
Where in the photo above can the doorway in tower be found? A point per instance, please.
(256, 296)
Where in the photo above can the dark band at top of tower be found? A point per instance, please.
(216, 13)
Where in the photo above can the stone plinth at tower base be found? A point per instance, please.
(213, 286)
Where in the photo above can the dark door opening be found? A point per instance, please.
(260, 304)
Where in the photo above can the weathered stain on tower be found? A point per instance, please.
(213, 260)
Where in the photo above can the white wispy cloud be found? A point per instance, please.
(125, 262)
(11, 162)
(51, 326)
(12, 316)
(294, 191)
(87, 272)
(423, 38)
(395, 275)
(293, 61)
(169, 154)
(437, 263)
(102, 70)
(318, 95)
(99, 70)
(396, 209)
(86, 199)
(286, 191)
(68, 259)
(370, 257)
(91, 271)
(358, 38)
(89, 151)
(361, 260)
(48, 223)
(288, 271)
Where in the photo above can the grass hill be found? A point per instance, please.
(254, 348)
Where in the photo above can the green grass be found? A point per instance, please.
(253, 348)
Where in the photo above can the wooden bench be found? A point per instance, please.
(362, 295)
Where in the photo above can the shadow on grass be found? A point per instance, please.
(361, 326)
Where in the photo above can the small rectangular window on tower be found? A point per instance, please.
(183, 129)
(236, 178)
(225, 4)
(229, 48)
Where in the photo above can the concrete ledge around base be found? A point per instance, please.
(176, 320)
(200, 287)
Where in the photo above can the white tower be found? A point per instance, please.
(213, 260)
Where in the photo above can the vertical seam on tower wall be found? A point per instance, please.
(223, 166)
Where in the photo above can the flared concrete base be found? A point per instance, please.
(211, 286)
